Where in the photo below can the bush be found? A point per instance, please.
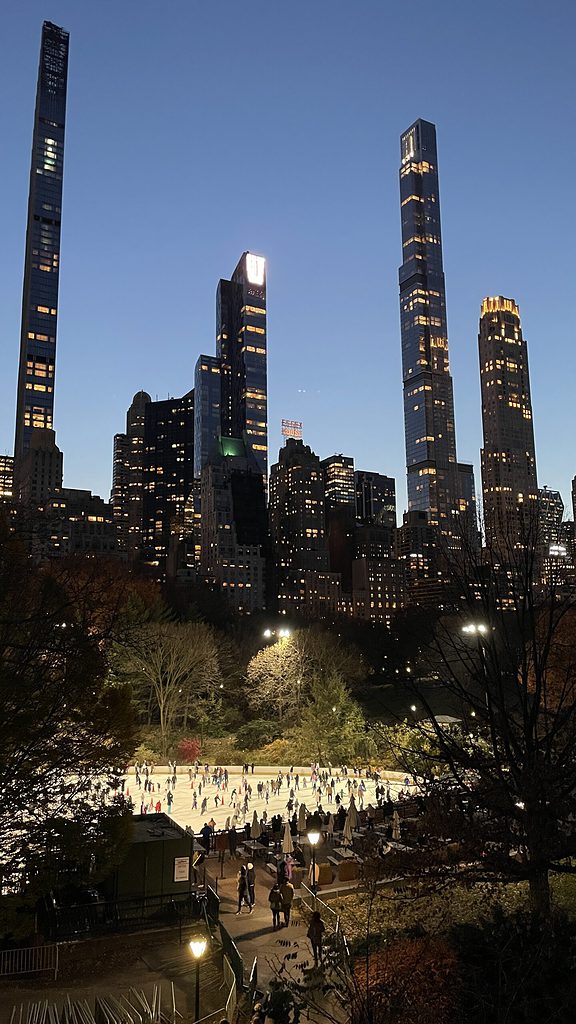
(256, 734)
(219, 751)
(189, 750)
(147, 753)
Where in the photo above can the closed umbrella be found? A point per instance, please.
(255, 830)
(330, 824)
(347, 833)
(227, 824)
(287, 845)
(395, 826)
(302, 818)
(353, 816)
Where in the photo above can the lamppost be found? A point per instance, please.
(479, 630)
(197, 948)
(313, 839)
(283, 633)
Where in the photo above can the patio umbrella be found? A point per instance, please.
(330, 824)
(352, 816)
(227, 824)
(347, 833)
(302, 818)
(395, 826)
(255, 830)
(287, 845)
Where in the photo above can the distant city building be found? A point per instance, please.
(339, 481)
(77, 522)
(550, 516)
(234, 526)
(375, 498)
(207, 410)
(6, 479)
(128, 477)
(168, 476)
(40, 469)
(297, 512)
(376, 588)
(509, 484)
(574, 504)
(423, 582)
(241, 350)
(433, 479)
(36, 374)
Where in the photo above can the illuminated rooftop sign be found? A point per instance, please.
(255, 268)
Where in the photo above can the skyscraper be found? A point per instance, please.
(339, 481)
(433, 484)
(207, 410)
(168, 476)
(128, 477)
(35, 398)
(509, 485)
(375, 498)
(241, 349)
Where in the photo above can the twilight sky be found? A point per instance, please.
(197, 129)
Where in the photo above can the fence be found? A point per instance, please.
(108, 916)
(332, 921)
(228, 1010)
(32, 960)
(231, 951)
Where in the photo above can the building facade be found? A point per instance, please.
(241, 351)
(433, 484)
(168, 477)
(508, 457)
(36, 373)
(128, 477)
(207, 410)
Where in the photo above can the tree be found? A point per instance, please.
(63, 723)
(174, 667)
(332, 725)
(508, 657)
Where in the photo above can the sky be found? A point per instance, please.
(197, 130)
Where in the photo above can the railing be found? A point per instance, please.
(231, 951)
(212, 903)
(228, 1010)
(108, 916)
(32, 960)
(313, 902)
(253, 981)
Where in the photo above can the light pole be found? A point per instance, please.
(313, 838)
(197, 948)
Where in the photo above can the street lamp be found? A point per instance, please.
(197, 948)
(313, 839)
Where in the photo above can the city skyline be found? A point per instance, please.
(298, 352)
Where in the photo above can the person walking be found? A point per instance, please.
(287, 895)
(315, 932)
(251, 880)
(275, 901)
(242, 890)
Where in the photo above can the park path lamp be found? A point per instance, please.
(479, 630)
(198, 948)
(314, 839)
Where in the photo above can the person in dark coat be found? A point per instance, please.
(251, 879)
(242, 890)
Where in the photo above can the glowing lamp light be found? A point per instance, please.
(198, 948)
(267, 633)
(313, 838)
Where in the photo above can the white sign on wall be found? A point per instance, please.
(181, 869)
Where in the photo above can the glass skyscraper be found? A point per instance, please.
(509, 484)
(241, 349)
(207, 410)
(35, 399)
(433, 481)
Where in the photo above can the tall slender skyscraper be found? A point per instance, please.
(509, 485)
(35, 399)
(241, 349)
(433, 484)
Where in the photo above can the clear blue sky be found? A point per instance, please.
(197, 130)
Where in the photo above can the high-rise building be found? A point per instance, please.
(550, 516)
(339, 481)
(433, 484)
(128, 477)
(297, 512)
(6, 478)
(168, 476)
(36, 374)
(241, 350)
(234, 525)
(509, 485)
(40, 470)
(207, 410)
(375, 498)
(574, 502)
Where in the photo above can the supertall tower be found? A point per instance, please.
(509, 485)
(35, 399)
(433, 475)
(241, 349)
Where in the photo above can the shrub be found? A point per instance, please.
(147, 753)
(189, 750)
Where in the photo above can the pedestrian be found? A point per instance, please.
(315, 932)
(158, 807)
(251, 879)
(275, 901)
(287, 894)
(242, 890)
